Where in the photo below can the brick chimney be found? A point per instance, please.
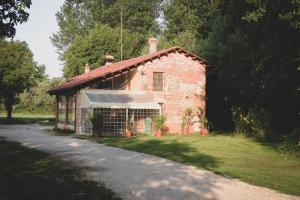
(109, 60)
(87, 68)
(152, 45)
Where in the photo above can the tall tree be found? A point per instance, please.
(257, 55)
(185, 15)
(36, 99)
(12, 12)
(100, 41)
(77, 17)
(18, 71)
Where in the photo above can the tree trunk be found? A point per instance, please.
(9, 110)
(8, 103)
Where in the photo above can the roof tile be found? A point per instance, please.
(99, 72)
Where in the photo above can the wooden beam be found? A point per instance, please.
(56, 110)
(66, 112)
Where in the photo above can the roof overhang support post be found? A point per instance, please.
(92, 115)
(56, 110)
(126, 120)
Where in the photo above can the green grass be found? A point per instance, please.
(33, 175)
(19, 118)
(234, 156)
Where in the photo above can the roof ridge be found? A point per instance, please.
(101, 71)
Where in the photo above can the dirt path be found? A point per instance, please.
(135, 175)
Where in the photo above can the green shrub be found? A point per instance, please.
(62, 132)
(187, 120)
(203, 121)
(96, 120)
(159, 123)
(255, 122)
(291, 143)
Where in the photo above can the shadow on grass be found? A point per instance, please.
(28, 120)
(31, 174)
(170, 149)
(271, 144)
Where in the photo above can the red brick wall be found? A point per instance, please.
(183, 77)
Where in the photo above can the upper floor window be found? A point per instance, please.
(105, 85)
(158, 81)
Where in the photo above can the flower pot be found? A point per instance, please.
(204, 132)
(158, 134)
(184, 132)
(128, 134)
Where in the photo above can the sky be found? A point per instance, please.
(37, 31)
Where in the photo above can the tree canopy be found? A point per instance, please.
(100, 41)
(257, 55)
(12, 12)
(77, 17)
(18, 71)
(36, 99)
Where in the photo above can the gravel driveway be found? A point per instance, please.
(135, 175)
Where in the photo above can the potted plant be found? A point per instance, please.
(96, 120)
(203, 122)
(159, 122)
(204, 130)
(129, 129)
(187, 121)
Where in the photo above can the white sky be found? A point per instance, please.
(37, 31)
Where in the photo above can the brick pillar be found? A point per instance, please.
(77, 113)
(66, 112)
(56, 111)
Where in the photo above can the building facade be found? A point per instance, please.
(166, 82)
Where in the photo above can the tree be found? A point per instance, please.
(185, 15)
(257, 55)
(77, 17)
(99, 42)
(36, 99)
(12, 12)
(18, 71)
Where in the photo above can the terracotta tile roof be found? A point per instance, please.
(83, 79)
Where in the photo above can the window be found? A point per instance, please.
(61, 109)
(71, 110)
(158, 81)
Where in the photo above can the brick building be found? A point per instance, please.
(165, 82)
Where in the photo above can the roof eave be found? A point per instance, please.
(79, 85)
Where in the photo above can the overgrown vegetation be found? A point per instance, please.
(254, 89)
(37, 176)
(291, 143)
(36, 100)
(232, 155)
(254, 44)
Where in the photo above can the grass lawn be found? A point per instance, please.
(18, 118)
(33, 175)
(234, 156)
